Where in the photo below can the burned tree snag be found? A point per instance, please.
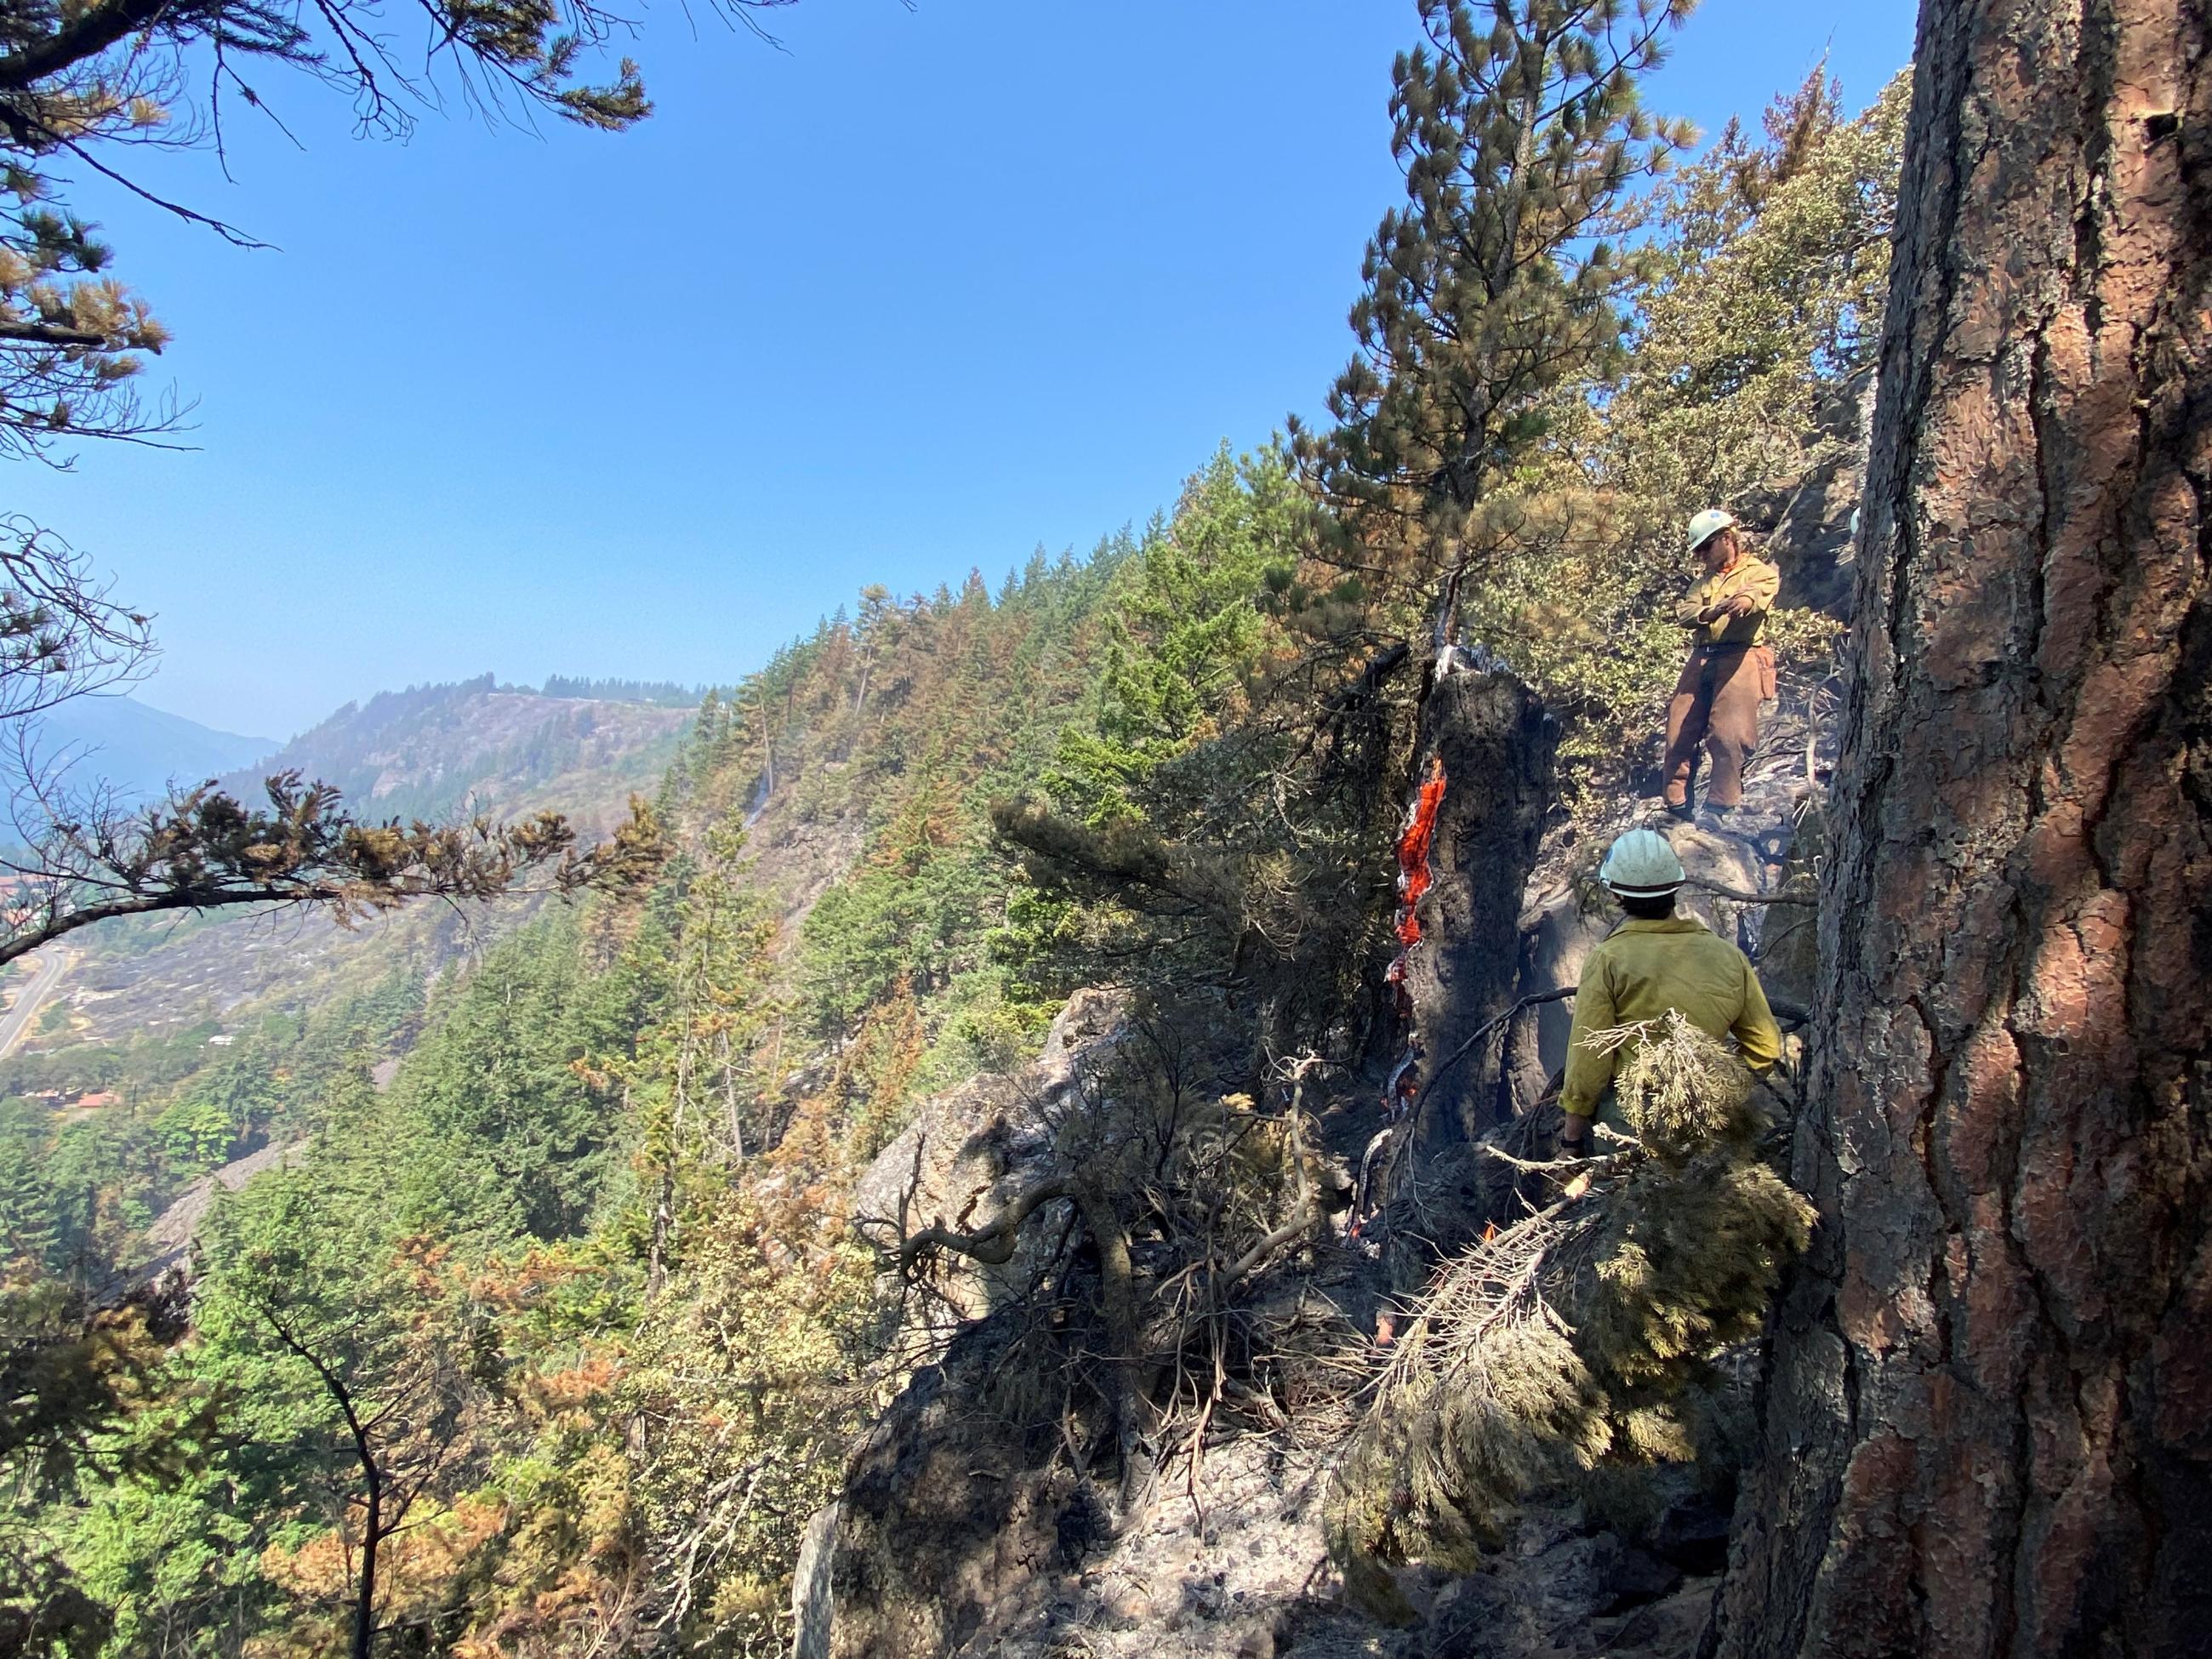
(1498, 747)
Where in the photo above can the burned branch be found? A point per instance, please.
(91, 859)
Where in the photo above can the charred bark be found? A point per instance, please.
(1498, 746)
(1988, 1424)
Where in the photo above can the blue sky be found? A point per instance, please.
(923, 290)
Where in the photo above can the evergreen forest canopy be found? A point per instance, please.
(665, 693)
(549, 1340)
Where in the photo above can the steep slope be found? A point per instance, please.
(690, 1213)
(1139, 1446)
(656, 1104)
(966, 1527)
(636, 1155)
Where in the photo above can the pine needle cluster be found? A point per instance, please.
(96, 858)
(1570, 1340)
(1680, 1090)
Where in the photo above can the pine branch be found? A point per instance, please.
(204, 851)
(87, 34)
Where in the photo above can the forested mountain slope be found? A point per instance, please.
(570, 1113)
(198, 1037)
(428, 752)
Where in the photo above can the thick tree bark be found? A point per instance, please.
(1498, 746)
(1988, 1424)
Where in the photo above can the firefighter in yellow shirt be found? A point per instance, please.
(1654, 961)
(1729, 673)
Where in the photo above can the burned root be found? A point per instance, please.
(1169, 1208)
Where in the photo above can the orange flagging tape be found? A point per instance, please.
(1414, 876)
(1414, 879)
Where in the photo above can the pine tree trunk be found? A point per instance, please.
(372, 1541)
(1988, 1425)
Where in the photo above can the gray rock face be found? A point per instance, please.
(168, 1237)
(1559, 931)
(1814, 516)
(948, 1519)
(812, 1603)
(944, 1512)
(971, 1150)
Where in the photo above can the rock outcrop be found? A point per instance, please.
(168, 1237)
(1811, 518)
(968, 1153)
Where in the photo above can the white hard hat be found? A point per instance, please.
(1642, 865)
(1708, 525)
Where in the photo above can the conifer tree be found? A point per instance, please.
(29, 1232)
(1519, 127)
(691, 1075)
(87, 860)
(1750, 352)
(349, 1376)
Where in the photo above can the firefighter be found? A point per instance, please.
(1654, 961)
(1729, 673)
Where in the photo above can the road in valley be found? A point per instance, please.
(32, 998)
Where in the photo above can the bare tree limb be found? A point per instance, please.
(1724, 890)
(993, 1246)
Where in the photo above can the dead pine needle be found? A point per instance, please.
(1567, 1341)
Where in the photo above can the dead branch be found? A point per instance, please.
(993, 1246)
(1482, 1031)
(1722, 890)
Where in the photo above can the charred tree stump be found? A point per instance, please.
(1498, 746)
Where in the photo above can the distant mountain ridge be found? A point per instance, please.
(431, 751)
(142, 749)
(667, 693)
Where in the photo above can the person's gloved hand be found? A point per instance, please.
(1582, 1146)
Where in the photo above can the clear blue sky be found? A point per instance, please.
(923, 291)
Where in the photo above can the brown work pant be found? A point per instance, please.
(1716, 703)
